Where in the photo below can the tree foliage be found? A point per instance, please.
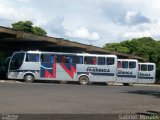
(39, 31)
(27, 26)
(145, 47)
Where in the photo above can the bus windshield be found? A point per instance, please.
(16, 61)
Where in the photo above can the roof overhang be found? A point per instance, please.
(8, 36)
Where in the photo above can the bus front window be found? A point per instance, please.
(16, 61)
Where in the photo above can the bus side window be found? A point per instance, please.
(58, 58)
(132, 64)
(144, 67)
(150, 67)
(77, 59)
(63, 59)
(94, 61)
(70, 59)
(52, 58)
(90, 60)
(32, 57)
(81, 59)
(67, 59)
(124, 64)
(47, 58)
(119, 64)
(110, 60)
(101, 60)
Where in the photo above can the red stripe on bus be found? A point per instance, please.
(70, 72)
(53, 75)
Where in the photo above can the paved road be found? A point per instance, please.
(70, 98)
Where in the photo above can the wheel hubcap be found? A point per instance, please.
(84, 81)
(29, 77)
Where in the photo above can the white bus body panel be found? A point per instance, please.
(96, 73)
(147, 76)
(127, 75)
(26, 68)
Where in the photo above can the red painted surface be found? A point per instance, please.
(70, 72)
(53, 74)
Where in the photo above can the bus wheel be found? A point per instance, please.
(131, 84)
(83, 80)
(125, 84)
(29, 78)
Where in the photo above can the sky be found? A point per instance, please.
(95, 22)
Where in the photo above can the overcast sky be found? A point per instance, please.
(86, 21)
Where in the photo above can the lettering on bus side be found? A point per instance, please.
(125, 72)
(144, 74)
(95, 69)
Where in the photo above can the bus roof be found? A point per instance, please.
(127, 60)
(82, 54)
(147, 63)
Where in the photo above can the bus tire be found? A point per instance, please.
(29, 78)
(131, 84)
(125, 84)
(83, 80)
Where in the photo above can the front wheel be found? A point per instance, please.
(29, 78)
(83, 80)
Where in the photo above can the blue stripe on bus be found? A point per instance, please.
(145, 78)
(129, 76)
(83, 73)
(102, 74)
(24, 70)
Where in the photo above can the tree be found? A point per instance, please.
(145, 47)
(27, 26)
(116, 47)
(39, 31)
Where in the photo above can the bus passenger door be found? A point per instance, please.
(66, 68)
(119, 68)
(48, 66)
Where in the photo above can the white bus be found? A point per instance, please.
(127, 71)
(85, 68)
(147, 73)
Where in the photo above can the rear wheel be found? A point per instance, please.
(29, 78)
(83, 80)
